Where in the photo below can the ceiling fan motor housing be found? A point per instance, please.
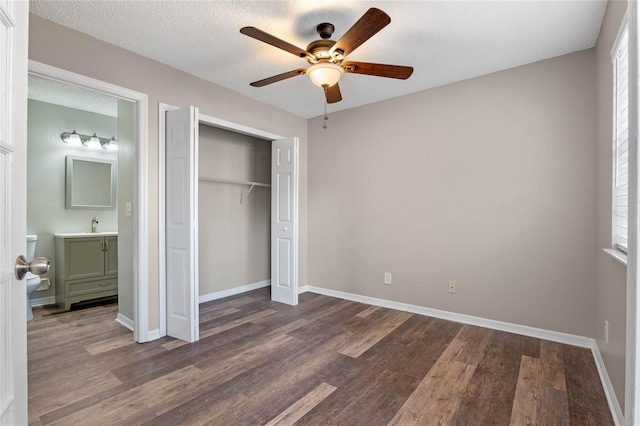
(320, 49)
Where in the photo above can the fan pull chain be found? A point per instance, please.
(325, 107)
(325, 116)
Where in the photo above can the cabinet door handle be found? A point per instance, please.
(101, 245)
(106, 246)
(104, 284)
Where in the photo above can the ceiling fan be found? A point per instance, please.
(326, 56)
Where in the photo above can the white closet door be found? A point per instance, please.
(284, 221)
(182, 223)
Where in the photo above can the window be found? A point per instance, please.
(621, 143)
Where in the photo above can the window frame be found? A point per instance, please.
(621, 37)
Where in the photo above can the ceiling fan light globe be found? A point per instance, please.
(324, 74)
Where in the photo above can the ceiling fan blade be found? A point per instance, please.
(274, 41)
(369, 24)
(379, 70)
(333, 94)
(278, 77)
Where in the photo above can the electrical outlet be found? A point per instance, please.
(387, 278)
(452, 286)
(127, 208)
(606, 331)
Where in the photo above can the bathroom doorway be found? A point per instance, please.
(67, 126)
(118, 117)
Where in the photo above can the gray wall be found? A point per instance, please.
(125, 195)
(46, 157)
(488, 182)
(61, 47)
(234, 238)
(611, 276)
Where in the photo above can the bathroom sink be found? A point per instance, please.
(86, 234)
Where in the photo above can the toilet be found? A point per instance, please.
(33, 281)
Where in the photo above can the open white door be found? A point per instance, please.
(182, 223)
(14, 17)
(284, 221)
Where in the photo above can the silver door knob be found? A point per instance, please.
(37, 266)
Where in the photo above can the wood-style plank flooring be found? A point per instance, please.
(324, 362)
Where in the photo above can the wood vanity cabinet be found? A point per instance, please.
(86, 268)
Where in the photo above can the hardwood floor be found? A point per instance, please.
(324, 362)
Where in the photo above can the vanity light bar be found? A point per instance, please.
(95, 142)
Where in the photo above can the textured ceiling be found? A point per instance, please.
(445, 41)
(54, 92)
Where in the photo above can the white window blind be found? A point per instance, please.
(621, 146)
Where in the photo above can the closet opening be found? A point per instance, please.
(234, 211)
(228, 215)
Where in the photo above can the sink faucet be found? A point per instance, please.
(94, 224)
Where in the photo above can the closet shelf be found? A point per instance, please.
(243, 196)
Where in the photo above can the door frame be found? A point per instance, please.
(140, 182)
(202, 119)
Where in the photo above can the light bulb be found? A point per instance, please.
(113, 144)
(93, 143)
(73, 139)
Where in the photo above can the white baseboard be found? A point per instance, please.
(614, 406)
(303, 289)
(554, 336)
(43, 301)
(124, 321)
(154, 334)
(233, 291)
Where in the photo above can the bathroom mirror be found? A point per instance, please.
(91, 183)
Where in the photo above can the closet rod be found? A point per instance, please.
(237, 182)
(243, 196)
